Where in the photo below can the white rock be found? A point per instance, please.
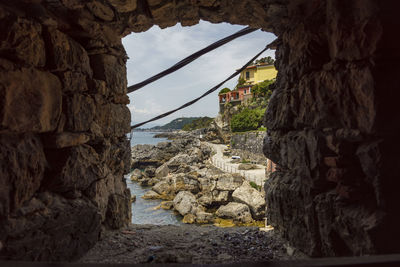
(251, 197)
(229, 182)
(162, 188)
(186, 203)
(236, 211)
(162, 171)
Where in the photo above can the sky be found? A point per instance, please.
(158, 49)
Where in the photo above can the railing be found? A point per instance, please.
(257, 179)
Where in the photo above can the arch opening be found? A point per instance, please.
(331, 121)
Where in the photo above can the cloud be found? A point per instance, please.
(155, 50)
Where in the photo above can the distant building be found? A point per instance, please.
(258, 73)
(252, 75)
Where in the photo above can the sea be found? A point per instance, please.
(148, 211)
(143, 138)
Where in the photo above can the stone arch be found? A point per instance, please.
(63, 119)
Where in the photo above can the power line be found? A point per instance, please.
(190, 58)
(203, 95)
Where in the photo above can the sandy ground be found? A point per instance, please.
(187, 244)
(224, 163)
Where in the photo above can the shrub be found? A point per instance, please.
(255, 186)
(247, 120)
(241, 81)
(263, 89)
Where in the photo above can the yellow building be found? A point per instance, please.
(258, 73)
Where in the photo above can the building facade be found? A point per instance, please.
(251, 75)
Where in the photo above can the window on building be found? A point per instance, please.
(247, 74)
(244, 91)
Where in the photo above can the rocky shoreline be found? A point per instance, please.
(179, 172)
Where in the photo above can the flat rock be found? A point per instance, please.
(236, 211)
(151, 195)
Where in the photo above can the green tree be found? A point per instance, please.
(199, 123)
(247, 120)
(268, 60)
(263, 89)
(224, 90)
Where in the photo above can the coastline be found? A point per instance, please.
(180, 174)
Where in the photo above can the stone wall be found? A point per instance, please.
(332, 120)
(249, 146)
(63, 115)
(331, 129)
(63, 120)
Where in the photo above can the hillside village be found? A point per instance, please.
(241, 108)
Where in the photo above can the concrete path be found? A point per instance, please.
(224, 163)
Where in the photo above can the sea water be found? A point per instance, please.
(143, 138)
(148, 211)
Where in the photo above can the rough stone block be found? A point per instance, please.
(74, 168)
(101, 11)
(22, 40)
(290, 210)
(118, 211)
(124, 5)
(251, 197)
(80, 112)
(22, 164)
(65, 229)
(112, 70)
(65, 54)
(236, 211)
(31, 100)
(113, 119)
(73, 81)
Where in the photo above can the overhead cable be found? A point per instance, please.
(203, 95)
(190, 58)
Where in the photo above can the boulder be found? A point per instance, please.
(152, 181)
(175, 163)
(251, 197)
(186, 203)
(151, 195)
(207, 183)
(150, 171)
(220, 197)
(189, 218)
(163, 188)
(206, 199)
(229, 182)
(214, 198)
(185, 183)
(236, 211)
(162, 171)
(204, 217)
(136, 175)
